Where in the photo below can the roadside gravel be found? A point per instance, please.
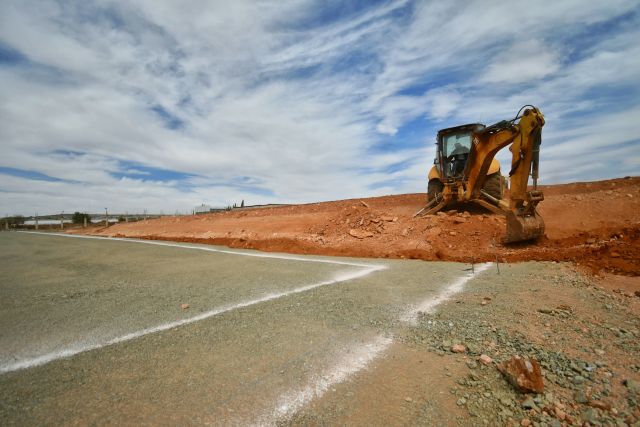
(586, 339)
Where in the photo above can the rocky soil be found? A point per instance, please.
(586, 339)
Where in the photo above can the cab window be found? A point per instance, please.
(450, 141)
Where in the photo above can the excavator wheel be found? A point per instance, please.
(493, 185)
(433, 188)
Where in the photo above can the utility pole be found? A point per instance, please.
(126, 216)
(36, 220)
(62, 221)
(106, 217)
(85, 220)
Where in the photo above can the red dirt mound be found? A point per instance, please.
(595, 224)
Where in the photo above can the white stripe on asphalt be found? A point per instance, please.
(356, 360)
(202, 248)
(429, 304)
(83, 347)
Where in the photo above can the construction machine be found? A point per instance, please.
(465, 171)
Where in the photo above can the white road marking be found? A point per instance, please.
(356, 360)
(360, 356)
(202, 248)
(83, 347)
(428, 305)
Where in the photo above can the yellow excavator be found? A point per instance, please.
(465, 170)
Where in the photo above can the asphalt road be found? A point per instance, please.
(92, 331)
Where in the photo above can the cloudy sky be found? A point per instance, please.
(165, 105)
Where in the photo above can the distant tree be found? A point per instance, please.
(234, 206)
(78, 218)
(13, 220)
(242, 204)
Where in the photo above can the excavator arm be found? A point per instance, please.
(524, 135)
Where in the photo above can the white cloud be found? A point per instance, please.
(275, 110)
(523, 62)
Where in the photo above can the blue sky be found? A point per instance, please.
(163, 105)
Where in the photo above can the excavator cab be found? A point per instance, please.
(454, 146)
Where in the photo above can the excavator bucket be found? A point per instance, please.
(520, 228)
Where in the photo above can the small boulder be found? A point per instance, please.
(184, 306)
(524, 375)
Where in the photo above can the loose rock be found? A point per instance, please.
(632, 386)
(458, 348)
(600, 404)
(524, 375)
(485, 360)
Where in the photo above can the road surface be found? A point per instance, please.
(96, 331)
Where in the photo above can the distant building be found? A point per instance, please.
(203, 209)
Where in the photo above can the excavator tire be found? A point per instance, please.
(435, 186)
(493, 185)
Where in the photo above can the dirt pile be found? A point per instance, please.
(595, 224)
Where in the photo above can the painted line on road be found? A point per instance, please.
(360, 356)
(354, 361)
(429, 304)
(201, 248)
(84, 347)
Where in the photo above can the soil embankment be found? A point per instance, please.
(593, 224)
